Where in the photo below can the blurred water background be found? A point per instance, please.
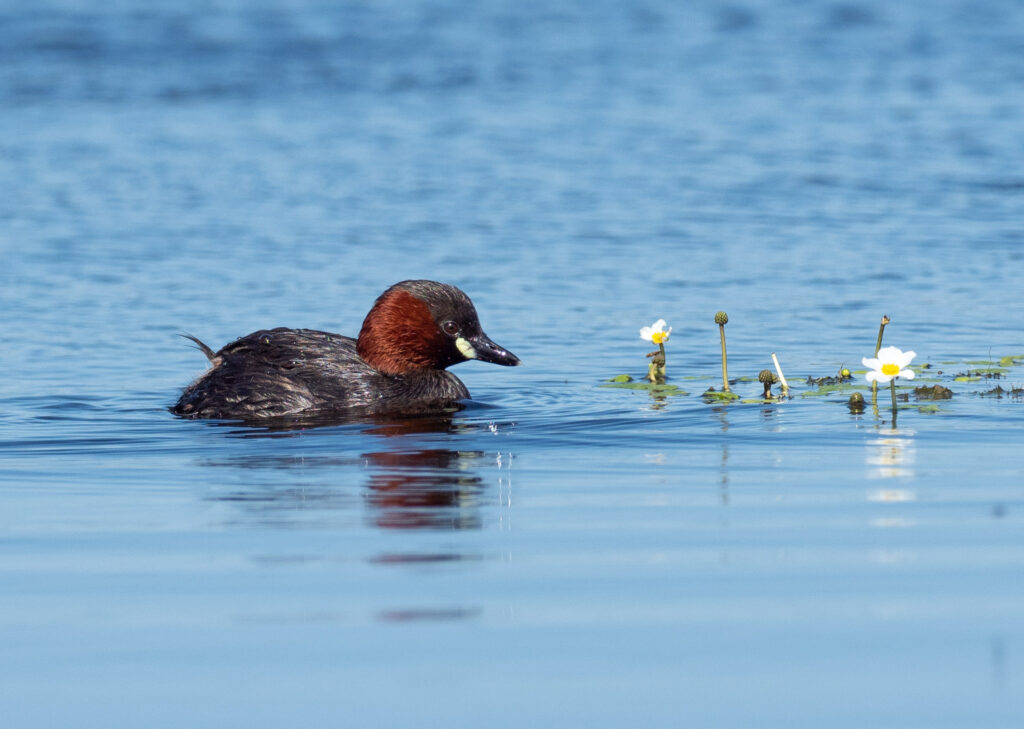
(558, 554)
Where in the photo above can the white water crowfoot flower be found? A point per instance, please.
(888, 365)
(656, 332)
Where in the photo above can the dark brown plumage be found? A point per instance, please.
(397, 366)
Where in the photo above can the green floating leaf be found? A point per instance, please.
(651, 387)
(621, 378)
(965, 378)
(713, 395)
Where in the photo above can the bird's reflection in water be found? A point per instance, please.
(403, 486)
(391, 477)
(425, 489)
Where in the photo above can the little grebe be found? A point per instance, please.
(397, 365)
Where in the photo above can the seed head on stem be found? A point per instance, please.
(767, 378)
(721, 319)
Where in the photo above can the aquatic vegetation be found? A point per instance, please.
(782, 378)
(881, 330)
(657, 334)
(831, 388)
(888, 364)
(878, 346)
(658, 389)
(935, 392)
(990, 373)
(844, 375)
(721, 319)
(1000, 392)
(713, 395)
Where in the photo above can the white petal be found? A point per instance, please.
(647, 333)
(872, 364)
(659, 325)
(906, 374)
(889, 354)
(876, 376)
(904, 360)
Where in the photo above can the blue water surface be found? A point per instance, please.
(558, 553)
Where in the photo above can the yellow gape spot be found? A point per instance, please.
(466, 348)
(890, 369)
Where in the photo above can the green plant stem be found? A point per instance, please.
(878, 346)
(725, 369)
(892, 388)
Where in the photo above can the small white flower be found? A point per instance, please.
(890, 364)
(656, 332)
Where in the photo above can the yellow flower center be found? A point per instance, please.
(890, 369)
(659, 337)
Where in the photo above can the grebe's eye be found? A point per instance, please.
(450, 328)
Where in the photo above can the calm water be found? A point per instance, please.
(558, 554)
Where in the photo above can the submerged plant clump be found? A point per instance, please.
(935, 392)
(1000, 392)
(843, 375)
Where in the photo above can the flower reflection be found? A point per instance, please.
(892, 456)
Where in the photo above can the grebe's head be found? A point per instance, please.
(417, 325)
